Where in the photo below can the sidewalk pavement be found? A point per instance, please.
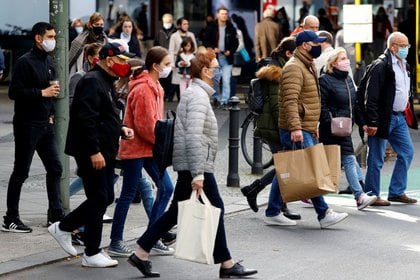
(25, 250)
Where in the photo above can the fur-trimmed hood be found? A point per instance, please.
(270, 73)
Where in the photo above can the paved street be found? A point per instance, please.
(380, 243)
(377, 244)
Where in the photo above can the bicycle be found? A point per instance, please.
(247, 142)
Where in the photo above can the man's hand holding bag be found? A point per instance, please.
(303, 173)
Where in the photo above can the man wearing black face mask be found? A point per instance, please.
(92, 139)
(299, 112)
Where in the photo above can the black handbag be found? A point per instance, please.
(164, 142)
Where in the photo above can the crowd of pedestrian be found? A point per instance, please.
(117, 98)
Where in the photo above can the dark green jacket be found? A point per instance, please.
(267, 121)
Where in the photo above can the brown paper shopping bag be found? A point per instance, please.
(303, 173)
(334, 162)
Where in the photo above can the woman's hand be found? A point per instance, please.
(197, 185)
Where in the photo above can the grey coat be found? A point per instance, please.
(195, 136)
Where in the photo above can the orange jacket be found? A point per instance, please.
(144, 107)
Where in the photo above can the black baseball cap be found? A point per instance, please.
(308, 36)
(114, 49)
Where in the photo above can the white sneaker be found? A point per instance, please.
(98, 260)
(279, 220)
(63, 238)
(364, 201)
(331, 218)
(161, 249)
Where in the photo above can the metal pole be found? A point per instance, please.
(59, 16)
(257, 166)
(233, 176)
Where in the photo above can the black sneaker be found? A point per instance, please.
(169, 238)
(14, 225)
(77, 238)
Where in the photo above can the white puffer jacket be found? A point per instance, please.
(196, 132)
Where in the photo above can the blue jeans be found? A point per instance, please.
(132, 175)
(400, 141)
(353, 174)
(226, 68)
(274, 199)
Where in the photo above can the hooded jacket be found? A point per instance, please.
(267, 122)
(144, 108)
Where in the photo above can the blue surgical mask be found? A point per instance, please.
(217, 76)
(79, 29)
(402, 52)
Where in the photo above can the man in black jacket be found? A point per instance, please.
(33, 125)
(387, 94)
(93, 135)
(221, 36)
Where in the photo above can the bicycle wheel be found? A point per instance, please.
(247, 143)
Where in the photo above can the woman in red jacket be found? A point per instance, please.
(144, 107)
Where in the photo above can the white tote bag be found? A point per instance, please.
(197, 228)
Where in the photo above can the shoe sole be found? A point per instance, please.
(169, 243)
(15, 230)
(97, 266)
(335, 222)
(118, 254)
(363, 206)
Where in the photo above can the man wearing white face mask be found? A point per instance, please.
(388, 93)
(33, 125)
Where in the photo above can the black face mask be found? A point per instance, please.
(97, 30)
(315, 51)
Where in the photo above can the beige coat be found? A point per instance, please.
(299, 99)
(267, 37)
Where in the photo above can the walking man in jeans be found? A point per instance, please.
(388, 91)
(299, 112)
(33, 125)
(221, 36)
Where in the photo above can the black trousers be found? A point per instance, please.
(99, 190)
(169, 218)
(28, 139)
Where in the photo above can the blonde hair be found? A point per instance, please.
(333, 58)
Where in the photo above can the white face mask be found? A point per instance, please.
(48, 45)
(167, 25)
(165, 72)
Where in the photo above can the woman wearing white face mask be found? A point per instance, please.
(127, 31)
(143, 108)
(338, 99)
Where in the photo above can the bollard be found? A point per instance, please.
(233, 176)
(257, 166)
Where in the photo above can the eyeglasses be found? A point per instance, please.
(214, 68)
(403, 46)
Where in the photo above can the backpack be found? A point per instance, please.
(164, 142)
(361, 89)
(256, 96)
